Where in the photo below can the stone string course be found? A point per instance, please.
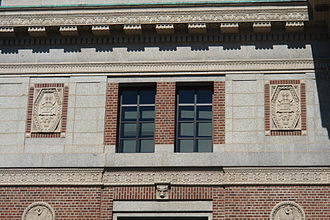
(118, 177)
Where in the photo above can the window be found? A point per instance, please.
(136, 120)
(194, 119)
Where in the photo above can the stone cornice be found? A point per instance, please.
(163, 68)
(154, 16)
(119, 177)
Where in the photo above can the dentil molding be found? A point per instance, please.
(153, 15)
(119, 177)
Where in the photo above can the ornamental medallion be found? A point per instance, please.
(47, 110)
(285, 107)
(39, 211)
(287, 211)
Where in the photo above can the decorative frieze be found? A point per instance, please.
(129, 177)
(47, 110)
(285, 107)
(165, 68)
(39, 211)
(287, 210)
(220, 14)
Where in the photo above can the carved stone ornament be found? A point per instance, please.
(287, 211)
(39, 211)
(285, 107)
(47, 110)
(162, 191)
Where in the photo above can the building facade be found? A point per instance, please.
(156, 110)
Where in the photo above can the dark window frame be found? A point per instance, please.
(195, 121)
(138, 119)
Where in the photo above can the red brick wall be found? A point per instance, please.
(69, 203)
(165, 113)
(230, 202)
(111, 108)
(175, 193)
(257, 202)
(219, 113)
(106, 203)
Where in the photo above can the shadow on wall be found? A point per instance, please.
(321, 55)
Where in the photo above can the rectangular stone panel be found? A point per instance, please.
(47, 110)
(285, 108)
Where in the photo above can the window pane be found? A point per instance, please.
(129, 96)
(128, 130)
(204, 112)
(204, 96)
(204, 145)
(186, 96)
(147, 97)
(204, 129)
(147, 129)
(129, 113)
(186, 113)
(128, 146)
(147, 113)
(186, 145)
(147, 146)
(186, 129)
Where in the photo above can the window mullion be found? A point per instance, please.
(137, 135)
(195, 122)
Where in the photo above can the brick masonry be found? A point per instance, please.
(219, 112)
(64, 111)
(229, 202)
(165, 113)
(303, 103)
(110, 127)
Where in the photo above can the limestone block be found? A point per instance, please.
(88, 139)
(12, 139)
(12, 102)
(86, 126)
(73, 160)
(244, 86)
(37, 149)
(96, 149)
(15, 89)
(20, 160)
(244, 125)
(90, 101)
(15, 114)
(244, 99)
(244, 112)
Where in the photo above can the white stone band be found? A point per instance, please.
(113, 177)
